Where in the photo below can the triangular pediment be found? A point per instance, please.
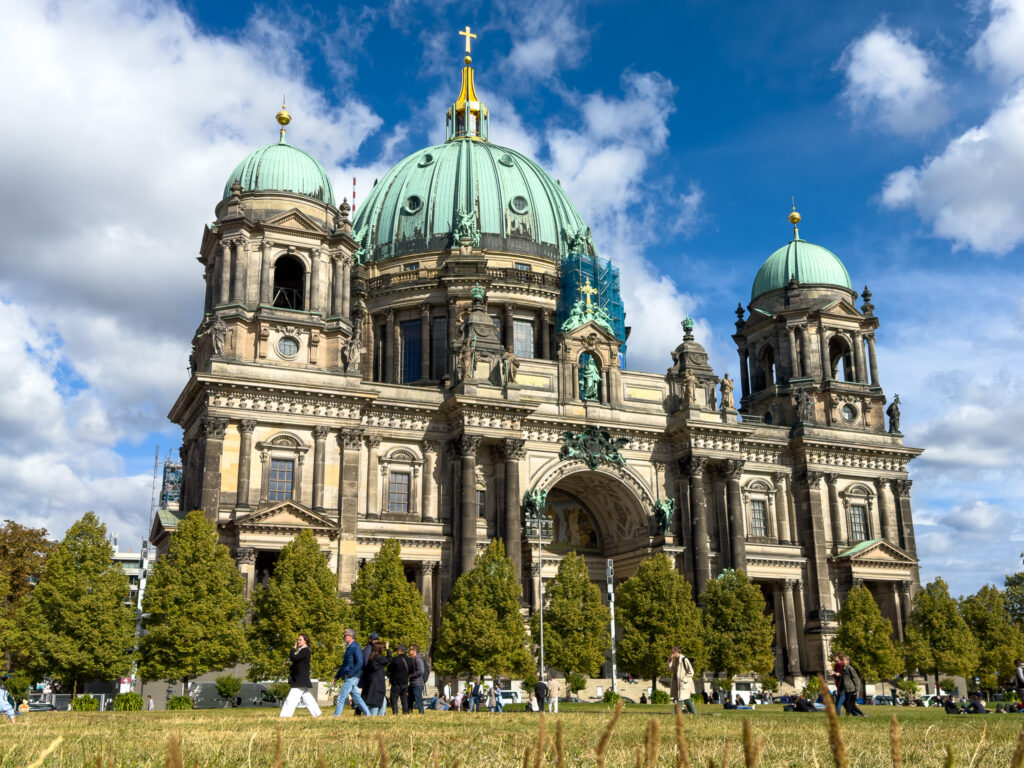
(841, 308)
(877, 552)
(285, 515)
(295, 219)
(589, 327)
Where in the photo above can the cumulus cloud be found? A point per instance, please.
(547, 36)
(891, 82)
(971, 192)
(999, 46)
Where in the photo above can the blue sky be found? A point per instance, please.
(680, 130)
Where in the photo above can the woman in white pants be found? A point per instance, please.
(298, 679)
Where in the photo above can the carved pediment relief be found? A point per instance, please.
(295, 219)
(841, 308)
(286, 515)
(876, 552)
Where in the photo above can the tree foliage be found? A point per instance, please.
(385, 602)
(658, 612)
(999, 641)
(195, 606)
(482, 630)
(866, 637)
(740, 634)
(576, 622)
(301, 596)
(937, 637)
(74, 626)
(23, 553)
(1014, 597)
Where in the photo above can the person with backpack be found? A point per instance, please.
(349, 672)
(398, 675)
(851, 688)
(681, 688)
(417, 677)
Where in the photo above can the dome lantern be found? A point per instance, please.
(467, 117)
(800, 261)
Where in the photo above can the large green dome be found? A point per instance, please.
(282, 168)
(808, 263)
(519, 208)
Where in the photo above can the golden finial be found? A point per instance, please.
(283, 118)
(588, 290)
(794, 219)
(469, 39)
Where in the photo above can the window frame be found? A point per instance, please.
(281, 446)
(403, 458)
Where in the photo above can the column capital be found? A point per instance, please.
(870, 336)
(431, 447)
(903, 486)
(213, 428)
(905, 586)
(320, 432)
(509, 309)
(546, 314)
(390, 315)
(266, 245)
(788, 585)
(350, 438)
(831, 478)
(245, 556)
(734, 469)
(316, 253)
(246, 426)
(425, 309)
(372, 441)
(513, 449)
(779, 477)
(694, 465)
(468, 445)
(881, 483)
(428, 566)
(810, 476)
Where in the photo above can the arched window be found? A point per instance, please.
(840, 354)
(289, 283)
(767, 366)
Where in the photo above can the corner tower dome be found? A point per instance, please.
(516, 206)
(799, 260)
(281, 167)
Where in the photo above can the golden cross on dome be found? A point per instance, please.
(588, 290)
(469, 37)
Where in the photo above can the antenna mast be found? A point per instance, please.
(353, 195)
(152, 496)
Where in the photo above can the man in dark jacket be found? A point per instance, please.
(851, 688)
(540, 692)
(349, 671)
(803, 705)
(398, 675)
(417, 678)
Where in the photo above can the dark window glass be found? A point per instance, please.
(523, 344)
(523, 267)
(858, 522)
(411, 346)
(289, 282)
(481, 503)
(281, 472)
(411, 267)
(379, 334)
(438, 348)
(758, 518)
(398, 492)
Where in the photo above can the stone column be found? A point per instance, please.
(872, 360)
(699, 513)
(315, 281)
(266, 273)
(424, 342)
(782, 508)
(792, 639)
(238, 276)
(225, 272)
(390, 362)
(209, 277)
(812, 527)
(430, 449)
(510, 327)
(794, 369)
(906, 603)
(245, 559)
(858, 357)
(744, 372)
(346, 292)
(213, 430)
(337, 285)
(906, 517)
(513, 452)
(835, 509)
(245, 429)
(319, 457)
(897, 605)
(545, 334)
(349, 442)
(805, 352)
(372, 475)
(468, 445)
(885, 512)
(427, 570)
(826, 367)
(733, 472)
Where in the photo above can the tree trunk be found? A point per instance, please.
(654, 685)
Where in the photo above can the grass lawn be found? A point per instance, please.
(246, 738)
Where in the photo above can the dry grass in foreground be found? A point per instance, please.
(630, 738)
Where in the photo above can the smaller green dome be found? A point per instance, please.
(808, 263)
(282, 168)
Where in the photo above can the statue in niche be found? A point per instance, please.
(352, 353)
(727, 386)
(689, 388)
(664, 509)
(218, 332)
(464, 362)
(590, 380)
(508, 367)
(804, 406)
(893, 412)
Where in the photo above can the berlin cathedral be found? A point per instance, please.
(446, 365)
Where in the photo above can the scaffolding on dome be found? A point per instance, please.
(577, 268)
(170, 488)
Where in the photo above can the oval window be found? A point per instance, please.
(849, 412)
(288, 346)
(506, 159)
(519, 204)
(413, 204)
(426, 160)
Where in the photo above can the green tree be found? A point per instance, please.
(74, 626)
(658, 612)
(937, 637)
(194, 605)
(301, 596)
(1014, 597)
(482, 630)
(576, 623)
(999, 641)
(740, 633)
(23, 553)
(385, 602)
(866, 637)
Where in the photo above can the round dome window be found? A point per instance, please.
(413, 204)
(849, 412)
(506, 159)
(288, 346)
(426, 160)
(519, 204)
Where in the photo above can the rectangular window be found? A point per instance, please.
(438, 348)
(398, 492)
(523, 267)
(411, 267)
(379, 334)
(758, 518)
(858, 522)
(481, 503)
(523, 344)
(411, 346)
(281, 472)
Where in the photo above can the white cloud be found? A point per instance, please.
(971, 192)
(1000, 46)
(547, 36)
(891, 82)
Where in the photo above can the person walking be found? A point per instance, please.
(398, 675)
(417, 678)
(150, 706)
(851, 688)
(375, 671)
(349, 672)
(540, 690)
(1018, 678)
(298, 679)
(837, 678)
(476, 695)
(681, 688)
(554, 691)
(496, 687)
(492, 698)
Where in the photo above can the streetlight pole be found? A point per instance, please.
(540, 585)
(610, 572)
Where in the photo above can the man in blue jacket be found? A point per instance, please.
(349, 671)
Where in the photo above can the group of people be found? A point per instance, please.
(476, 697)
(849, 686)
(363, 677)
